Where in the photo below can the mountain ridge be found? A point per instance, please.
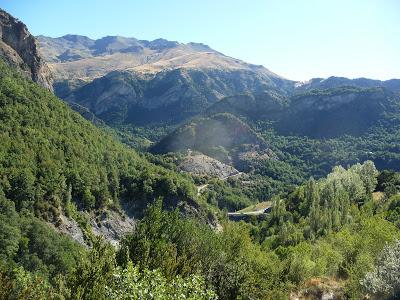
(336, 81)
(53, 48)
(324, 110)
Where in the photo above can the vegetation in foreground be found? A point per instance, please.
(344, 233)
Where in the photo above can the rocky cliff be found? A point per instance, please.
(19, 49)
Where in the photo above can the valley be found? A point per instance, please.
(156, 106)
(155, 169)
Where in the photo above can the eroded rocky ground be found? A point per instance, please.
(200, 164)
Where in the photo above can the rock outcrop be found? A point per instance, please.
(19, 48)
(200, 164)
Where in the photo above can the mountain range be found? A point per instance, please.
(159, 89)
(126, 81)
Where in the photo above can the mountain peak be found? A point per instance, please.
(75, 38)
(160, 44)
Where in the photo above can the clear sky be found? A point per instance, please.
(298, 39)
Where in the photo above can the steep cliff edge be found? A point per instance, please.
(19, 49)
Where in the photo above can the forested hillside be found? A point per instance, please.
(51, 156)
(53, 164)
(333, 228)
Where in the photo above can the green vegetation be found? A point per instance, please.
(315, 157)
(326, 228)
(32, 244)
(232, 265)
(96, 276)
(49, 156)
(54, 162)
(296, 243)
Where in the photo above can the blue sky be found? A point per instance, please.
(298, 39)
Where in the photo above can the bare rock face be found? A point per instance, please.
(19, 48)
(200, 164)
(113, 226)
(71, 228)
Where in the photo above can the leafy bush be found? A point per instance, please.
(385, 278)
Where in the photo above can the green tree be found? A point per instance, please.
(92, 274)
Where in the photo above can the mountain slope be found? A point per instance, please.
(73, 57)
(309, 133)
(252, 106)
(126, 81)
(336, 112)
(139, 54)
(125, 97)
(50, 156)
